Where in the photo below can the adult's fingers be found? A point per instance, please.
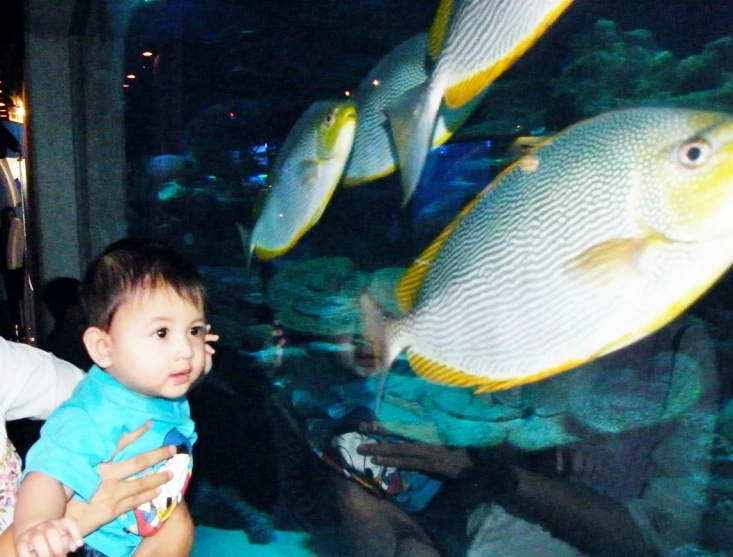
(144, 485)
(414, 450)
(374, 427)
(128, 439)
(136, 464)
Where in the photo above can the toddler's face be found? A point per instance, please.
(157, 343)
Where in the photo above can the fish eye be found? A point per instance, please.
(330, 118)
(694, 153)
(161, 333)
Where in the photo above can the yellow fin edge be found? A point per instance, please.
(439, 28)
(409, 286)
(358, 180)
(462, 92)
(264, 254)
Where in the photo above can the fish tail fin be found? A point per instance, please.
(246, 238)
(412, 120)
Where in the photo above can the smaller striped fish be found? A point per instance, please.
(373, 155)
(592, 241)
(473, 42)
(303, 178)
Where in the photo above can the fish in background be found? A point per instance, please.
(474, 42)
(303, 178)
(374, 155)
(594, 240)
(166, 168)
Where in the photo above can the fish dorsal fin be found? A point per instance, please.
(462, 92)
(412, 280)
(439, 28)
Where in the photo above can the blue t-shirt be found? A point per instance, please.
(84, 431)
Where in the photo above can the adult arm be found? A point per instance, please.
(39, 527)
(575, 513)
(174, 539)
(33, 382)
(116, 495)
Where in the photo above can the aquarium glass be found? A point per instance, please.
(240, 124)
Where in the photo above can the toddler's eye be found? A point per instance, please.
(161, 333)
(197, 330)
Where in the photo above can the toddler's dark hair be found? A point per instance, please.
(130, 265)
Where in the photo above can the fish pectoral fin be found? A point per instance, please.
(308, 170)
(610, 261)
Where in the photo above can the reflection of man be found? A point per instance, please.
(620, 491)
(8, 142)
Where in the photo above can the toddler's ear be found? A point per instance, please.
(98, 346)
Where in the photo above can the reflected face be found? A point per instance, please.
(156, 343)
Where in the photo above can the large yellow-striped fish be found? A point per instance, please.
(303, 177)
(477, 41)
(594, 240)
(373, 155)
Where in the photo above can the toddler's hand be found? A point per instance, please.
(53, 538)
(210, 351)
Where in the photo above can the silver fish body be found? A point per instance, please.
(304, 176)
(594, 240)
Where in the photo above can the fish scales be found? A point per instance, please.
(509, 293)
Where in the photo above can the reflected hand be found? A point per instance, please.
(431, 458)
(117, 494)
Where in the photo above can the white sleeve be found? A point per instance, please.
(33, 382)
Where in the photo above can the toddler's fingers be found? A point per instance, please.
(71, 527)
(55, 540)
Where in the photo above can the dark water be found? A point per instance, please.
(229, 81)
